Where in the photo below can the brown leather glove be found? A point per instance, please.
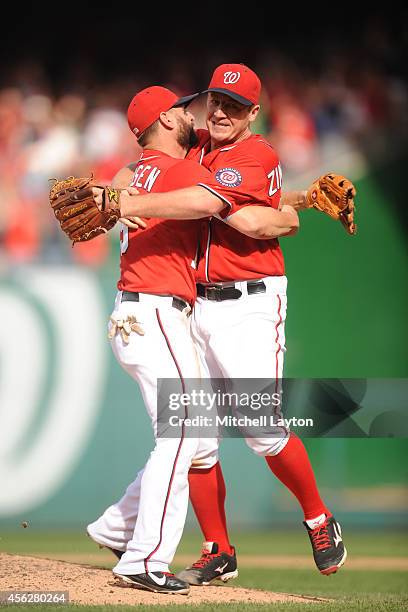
(77, 211)
(333, 195)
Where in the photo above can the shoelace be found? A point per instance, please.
(320, 537)
(204, 559)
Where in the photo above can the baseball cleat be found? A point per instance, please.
(115, 551)
(158, 582)
(328, 549)
(211, 567)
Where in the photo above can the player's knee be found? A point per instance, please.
(203, 462)
(207, 453)
(268, 446)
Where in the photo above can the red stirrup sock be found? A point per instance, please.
(207, 495)
(293, 468)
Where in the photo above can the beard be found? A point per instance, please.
(186, 136)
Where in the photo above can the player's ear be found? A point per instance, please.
(167, 120)
(253, 112)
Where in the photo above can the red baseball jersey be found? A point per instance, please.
(161, 259)
(242, 174)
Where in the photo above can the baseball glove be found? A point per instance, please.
(334, 195)
(77, 211)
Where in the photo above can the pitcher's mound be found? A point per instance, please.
(93, 586)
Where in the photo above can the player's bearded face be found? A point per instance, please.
(186, 136)
(227, 120)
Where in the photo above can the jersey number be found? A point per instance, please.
(276, 180)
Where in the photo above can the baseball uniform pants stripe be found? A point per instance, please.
(179, 447)
(279, 353)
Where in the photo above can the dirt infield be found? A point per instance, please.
(94, 586)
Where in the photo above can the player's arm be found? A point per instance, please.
(124, 176)
(265, 223)
(296, 199)
(189, 203)
(195, 203)
(121, 180)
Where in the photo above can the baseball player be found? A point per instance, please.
(150, 336)
(238, 320)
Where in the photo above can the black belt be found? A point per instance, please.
(133, 296)
(219, 294)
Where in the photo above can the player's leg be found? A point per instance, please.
(115, 527)
(165, 351)
(218, 559)
(207, 485)
(208, 492)
(247, 340)
(293, 468)
(284, 452)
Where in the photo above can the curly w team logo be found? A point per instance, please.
(231, 77)
(229, 177)
(48, 406)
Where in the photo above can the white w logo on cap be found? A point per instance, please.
(231, 77)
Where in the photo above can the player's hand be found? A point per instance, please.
(293, 219)
(133, 222)
(84, 209)
(131, 191)
(98, 196)
(287, 208)
(333, 194)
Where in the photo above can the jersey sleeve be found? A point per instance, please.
(185, 174)
(243, 181)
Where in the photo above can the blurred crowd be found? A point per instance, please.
(344, 104)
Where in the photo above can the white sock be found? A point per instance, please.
(315, 522)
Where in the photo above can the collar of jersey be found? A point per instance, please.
(152, 154)
(229, 147)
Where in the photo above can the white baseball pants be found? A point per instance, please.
(148, 520)
(245, 338)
